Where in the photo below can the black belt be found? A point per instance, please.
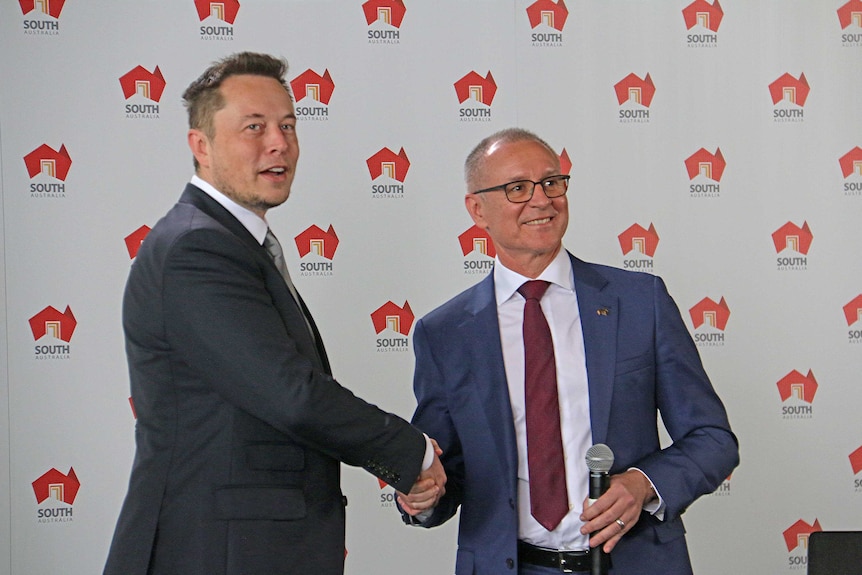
(565, 561)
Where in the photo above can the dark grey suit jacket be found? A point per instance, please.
(240, 426)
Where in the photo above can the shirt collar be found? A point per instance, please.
(256, 225)
(507, 282)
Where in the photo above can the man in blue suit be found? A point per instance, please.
(621, 354)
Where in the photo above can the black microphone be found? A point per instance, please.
(599, 458)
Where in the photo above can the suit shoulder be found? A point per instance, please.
(456, 307)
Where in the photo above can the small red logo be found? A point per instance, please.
(140, 81)
(705, 164)
(135, 239)
(389, 315)
(473, 86)
(313, 85)
(794, 384)
(788, 88)
(702, 13)
(224, 10)
(853, 310)
(50, 7)
(639, 239)
(46, 160)
(387, 11)
(706, 311)
(388, 163)
(549, 13)
(790, 236)
(565, 162)
(50, 321)
(856, 460)
(57, 486)
(633, 88)
(850, 13)
(797, 534)
(317, 241)
(851, 162)
(475, 239)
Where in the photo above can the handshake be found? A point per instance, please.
(428, 488)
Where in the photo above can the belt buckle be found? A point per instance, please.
(562, 561)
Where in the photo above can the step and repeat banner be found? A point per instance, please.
(718, 145)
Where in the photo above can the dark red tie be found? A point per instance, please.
(549, 501)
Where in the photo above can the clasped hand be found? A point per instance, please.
(428, 489)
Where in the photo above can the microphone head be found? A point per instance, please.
(600, 458)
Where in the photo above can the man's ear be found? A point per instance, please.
(476, 210)
(199, 144)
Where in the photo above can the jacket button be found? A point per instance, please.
(510, 563)
(511, 503)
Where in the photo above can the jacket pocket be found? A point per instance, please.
(259, 502)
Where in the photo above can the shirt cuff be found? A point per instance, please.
(429, 453)
(655, 507)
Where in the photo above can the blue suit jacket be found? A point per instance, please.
(640, 360)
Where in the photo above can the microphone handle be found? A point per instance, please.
(599, 560)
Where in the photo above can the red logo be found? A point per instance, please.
(475, 239)
(387, 11)
(565, 162)
(633, 88)
(705, 164)
(389, 315)
(51, 321)
(310, 83)
(788, 88)
(638, 239)
(849, 13)
(49, 7)
(856, 460)
(790, 236)
(851, 162)
(702, 13)
(549, 13)
(138, 80)
(476, 87)
(316, 240)
(706, 311)
(57, 486)
(386, 162)
(853, 310)
(225, 10)
(794, 384)
(797, 534)
(48, 161)
(135, 239)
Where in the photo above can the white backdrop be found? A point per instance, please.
(781, 348)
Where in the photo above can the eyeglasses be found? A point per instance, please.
(521, 191)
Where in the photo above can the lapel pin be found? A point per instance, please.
(603, 311)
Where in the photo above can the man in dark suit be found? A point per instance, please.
(617, 354)
(240, 426)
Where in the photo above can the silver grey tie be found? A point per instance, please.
(273, 247)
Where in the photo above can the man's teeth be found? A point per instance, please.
(276, 170)
(537, 222)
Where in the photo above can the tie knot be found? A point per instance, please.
(270, 243)
(533, 289)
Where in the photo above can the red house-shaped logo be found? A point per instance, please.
(549, 13)
(50, 7)
(224, 10)
(139, 80)
(706, 311)
(702, 13)
(633, 88)
(388, 163)
(639, 239)
(46, 160)
(850, 13)
(853, 310)
(387, 11)
(788, 88)
(856, 460)
(794, 384)
(310, 83)
(50, 321)
(702, 163)
(851, 162)
(57, 486)
(790, 236)
(316, 240)
(389, 315)
(797, 534)
(475, 239)
(135, 239)
(474, 86)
